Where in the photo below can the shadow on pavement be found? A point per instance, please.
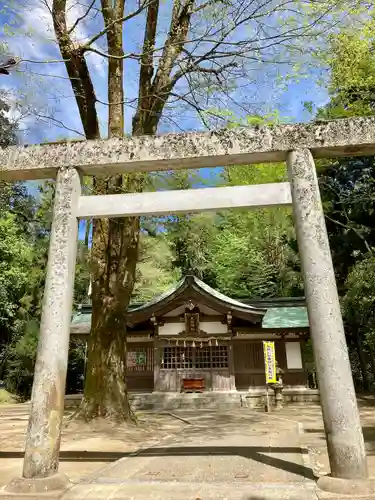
(257, 453)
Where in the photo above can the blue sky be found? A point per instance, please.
(43, 90)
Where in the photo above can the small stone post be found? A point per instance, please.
(338, 400)
(48, 394)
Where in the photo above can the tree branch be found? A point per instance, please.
(81, 18)
(130, 55)
(117, 21)
(198, 69)
(58, 122)
(147, 67)
(43, 62)
(162, 83)
(350, 228)
(125, 101)
(78, 71)
(114, 33)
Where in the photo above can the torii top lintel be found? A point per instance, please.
(343, 137)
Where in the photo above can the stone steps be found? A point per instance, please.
(175, 401)
(168, 401)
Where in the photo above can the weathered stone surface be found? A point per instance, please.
(346, 137)
(184, 200)
(57, 482)
(47, 401)
(219, 456)
(51, 495)
(167, 401)
(349, 487)
(339, 406)
(190, 491)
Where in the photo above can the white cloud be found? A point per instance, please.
(97, 63)
(43, 88)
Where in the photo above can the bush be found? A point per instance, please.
(19, 368)
(20, 363)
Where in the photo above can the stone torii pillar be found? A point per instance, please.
(343, 430)
(41, 459)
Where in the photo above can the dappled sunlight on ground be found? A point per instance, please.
(311, 418)
(85, 447)
(236, 445)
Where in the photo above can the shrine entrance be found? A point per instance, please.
(296, 144)
(206, 364)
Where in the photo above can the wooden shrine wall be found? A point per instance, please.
(216, 375)
(140, 367)
(245, 370)
(249, 365)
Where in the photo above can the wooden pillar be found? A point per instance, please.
(231, 366)
(157, 365)
(48, 393)
(342, 424)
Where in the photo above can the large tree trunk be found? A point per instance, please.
(114, 258)
(115, 241)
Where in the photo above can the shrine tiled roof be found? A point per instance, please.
(190, 280)
(192, 289)
(286, 317)
(267, 313)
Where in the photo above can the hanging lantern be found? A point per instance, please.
(193, 344)
(209, 343)
(216, 342)
(201, 344)
(177, 342)
(184, 343)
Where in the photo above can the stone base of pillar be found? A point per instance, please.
(21, 485)
(348, 488)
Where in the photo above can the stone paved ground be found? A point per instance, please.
(221, 455)
(314, 439)
(85, 448)
(233, 455)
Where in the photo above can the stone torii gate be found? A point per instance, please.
(296, 144)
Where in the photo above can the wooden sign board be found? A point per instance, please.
(135, 358)
(270, 362)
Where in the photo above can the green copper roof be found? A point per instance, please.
(271, 313)
(190, 280)
(286, 317)
(275, 317)
(81, 317)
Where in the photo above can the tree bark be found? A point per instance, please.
(115, 241)
(77, 70)
(114, 257)
(87, 233)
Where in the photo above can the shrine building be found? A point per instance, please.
(193, 332)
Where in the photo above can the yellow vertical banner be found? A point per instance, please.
(270, 362)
